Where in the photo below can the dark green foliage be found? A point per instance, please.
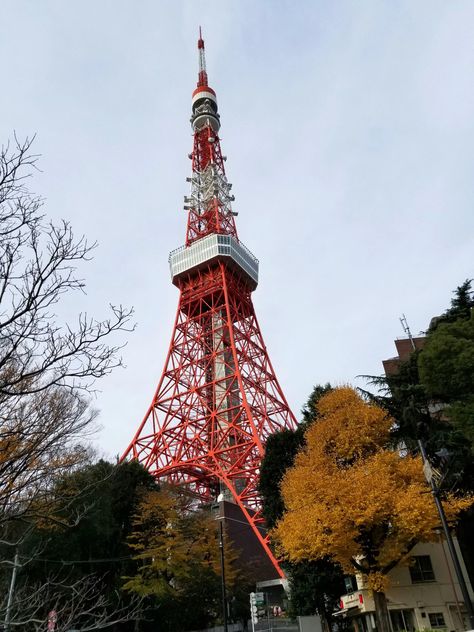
(432, 395)
(447, 361)
(105, 503)
(461, 415)
(446, 367)
(195, 611)
(200, 608)
(310, 410)
(405, 399)
(432, 398)
(92, 538)
(460, 309)
(280, 452)
(316, 587)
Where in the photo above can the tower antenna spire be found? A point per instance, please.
(202, 76)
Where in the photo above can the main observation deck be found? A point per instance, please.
(214, 248)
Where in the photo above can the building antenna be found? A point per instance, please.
(406, 329)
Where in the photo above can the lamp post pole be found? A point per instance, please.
(223, 587)
(444, 523)
(216, 509)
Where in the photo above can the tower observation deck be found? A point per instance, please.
(213, 248)
(218, 398)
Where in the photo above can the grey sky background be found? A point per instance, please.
(349, 132)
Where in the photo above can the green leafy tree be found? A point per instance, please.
(446, 367)
(85, 547)
(316, 587)
(280, 451)
(309, 411)
(104, 500)
(447, 372)
(460, 309)
(431, 397)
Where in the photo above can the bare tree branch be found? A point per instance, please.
(79, 604)
(48, 367)
(38, 266)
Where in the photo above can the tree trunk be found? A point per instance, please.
(381, 612)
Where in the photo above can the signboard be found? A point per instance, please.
(259, 598)
(253, 610)
(257, 602)
(352, 600)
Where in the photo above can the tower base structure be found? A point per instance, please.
(250, 555)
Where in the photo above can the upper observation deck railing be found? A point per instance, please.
(187, 258)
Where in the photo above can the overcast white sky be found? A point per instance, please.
(349, 131)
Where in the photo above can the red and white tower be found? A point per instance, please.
(218, 398)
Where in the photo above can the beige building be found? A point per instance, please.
(424, 595)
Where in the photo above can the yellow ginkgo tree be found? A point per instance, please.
(178, 555)
(353, 497)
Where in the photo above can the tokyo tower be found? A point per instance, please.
(218, 398)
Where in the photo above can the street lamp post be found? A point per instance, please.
(223, 586)
(220, 518)
(444, 523)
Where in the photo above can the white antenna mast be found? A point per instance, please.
(406, 329)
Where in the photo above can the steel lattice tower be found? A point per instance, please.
(218, 398)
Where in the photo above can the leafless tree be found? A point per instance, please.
(48, 368)
(73, 605)
(38, 262)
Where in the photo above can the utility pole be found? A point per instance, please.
(11, 593)
(444, 523)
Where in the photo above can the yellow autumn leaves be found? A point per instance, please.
(177, 548)
(353, 498)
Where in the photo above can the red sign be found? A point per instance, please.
(52, 618)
